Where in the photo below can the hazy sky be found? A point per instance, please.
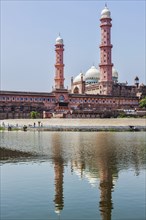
(29, 30)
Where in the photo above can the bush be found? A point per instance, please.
(122, 115)
(34, 114)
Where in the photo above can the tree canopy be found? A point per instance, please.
(142, 102)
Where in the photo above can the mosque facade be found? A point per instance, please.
(96, 93)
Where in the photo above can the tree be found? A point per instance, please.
(34, 114)
(142, 102)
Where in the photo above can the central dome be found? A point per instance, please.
(92, 75)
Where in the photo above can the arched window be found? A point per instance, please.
(61, 98)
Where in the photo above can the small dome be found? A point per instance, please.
(114, 73)
(105, 13)
(78, 78)
(59, 40)
(92, 73)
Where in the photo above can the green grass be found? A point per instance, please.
(2, 128)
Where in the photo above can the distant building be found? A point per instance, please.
(96, 93)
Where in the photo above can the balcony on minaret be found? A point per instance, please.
(59, 47)
(105, 22)
(105, 64)
(105, 45)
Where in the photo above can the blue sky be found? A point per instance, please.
(29, 30)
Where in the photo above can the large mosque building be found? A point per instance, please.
(96, 93)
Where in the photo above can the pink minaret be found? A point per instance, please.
(59, 66)
(105, 65)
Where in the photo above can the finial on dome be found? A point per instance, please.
(105, 5)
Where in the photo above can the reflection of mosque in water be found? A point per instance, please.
(98, 170)
(97, 157)
(96, 163)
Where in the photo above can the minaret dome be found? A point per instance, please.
(59, 40)
(105, 13)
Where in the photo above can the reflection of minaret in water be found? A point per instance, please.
(58, 171)
(106, 185)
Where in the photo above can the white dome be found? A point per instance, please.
(92, 73)
(59, 40)
(78, 78)
(105, 13)
(114, 73)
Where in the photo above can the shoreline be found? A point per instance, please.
(111, 124)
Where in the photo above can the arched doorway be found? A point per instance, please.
(76, 90)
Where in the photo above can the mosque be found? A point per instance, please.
(91, 80)
(96, 93)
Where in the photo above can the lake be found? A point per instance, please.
(73, 175)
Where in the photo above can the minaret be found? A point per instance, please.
(136, 81)
(105, 65)
(59, 66)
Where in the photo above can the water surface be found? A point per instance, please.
(73, 175)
